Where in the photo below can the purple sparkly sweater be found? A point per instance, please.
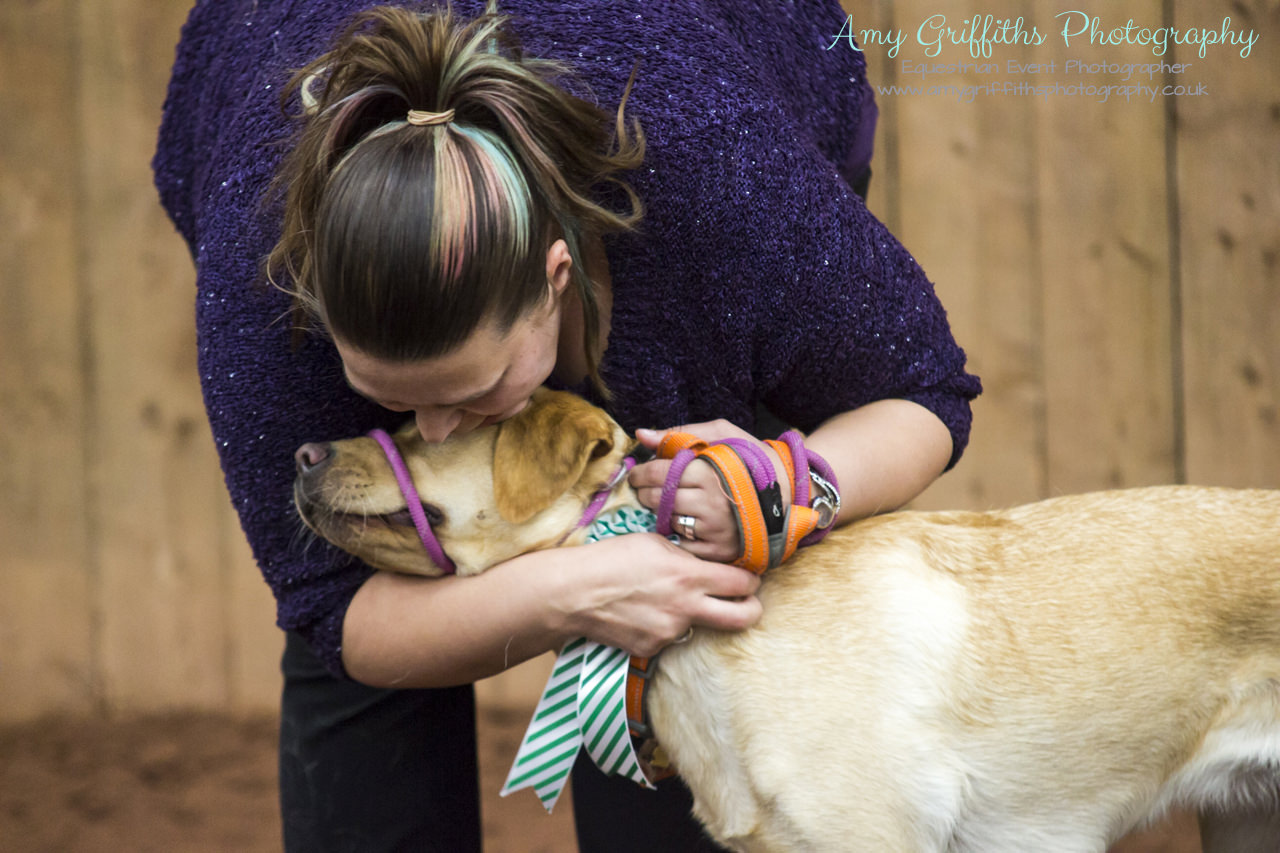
(757, 280)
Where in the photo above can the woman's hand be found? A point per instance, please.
(701, 495)
(640, 593)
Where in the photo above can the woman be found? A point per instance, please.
(464, 228)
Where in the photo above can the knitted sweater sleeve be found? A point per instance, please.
(841, 315)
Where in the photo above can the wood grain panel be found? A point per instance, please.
(1228, 177)
(164, 602)
(967, 164)
(46, 562)
(1104, 207)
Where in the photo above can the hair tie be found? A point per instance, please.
(423, 118)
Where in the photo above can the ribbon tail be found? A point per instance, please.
(553, 738)
(602, 713)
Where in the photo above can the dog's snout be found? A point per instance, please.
(311, 456)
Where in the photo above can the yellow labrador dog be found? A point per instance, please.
(1044, 678)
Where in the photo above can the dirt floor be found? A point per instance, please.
(197, 783)
(201, 783)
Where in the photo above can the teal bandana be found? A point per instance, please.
(625, 520)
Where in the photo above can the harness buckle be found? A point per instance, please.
(827, 503)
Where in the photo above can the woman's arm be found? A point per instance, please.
(883, 454)
(638, 593)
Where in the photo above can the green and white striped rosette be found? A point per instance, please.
(583, 705)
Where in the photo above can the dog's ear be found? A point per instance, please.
(544, 450)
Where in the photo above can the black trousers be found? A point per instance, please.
(368, 770)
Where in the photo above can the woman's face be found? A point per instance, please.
(489, 378)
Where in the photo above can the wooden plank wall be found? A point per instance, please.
(125, 584)
(1110, 267)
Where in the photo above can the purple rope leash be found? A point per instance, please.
(414, 502)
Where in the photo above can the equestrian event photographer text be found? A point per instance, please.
(978, 34)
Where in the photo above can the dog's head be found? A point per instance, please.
(489, 495)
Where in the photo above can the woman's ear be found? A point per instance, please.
(559, 266)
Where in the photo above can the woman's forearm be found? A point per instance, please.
(408, 631)
(883, 454)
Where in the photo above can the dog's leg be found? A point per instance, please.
(1240, 831)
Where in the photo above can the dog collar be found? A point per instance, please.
(592, 512)
(600, 498)
(429, 541)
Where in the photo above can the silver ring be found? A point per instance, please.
(684, 526)
(683, 638)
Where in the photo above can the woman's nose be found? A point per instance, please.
(434, 427)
